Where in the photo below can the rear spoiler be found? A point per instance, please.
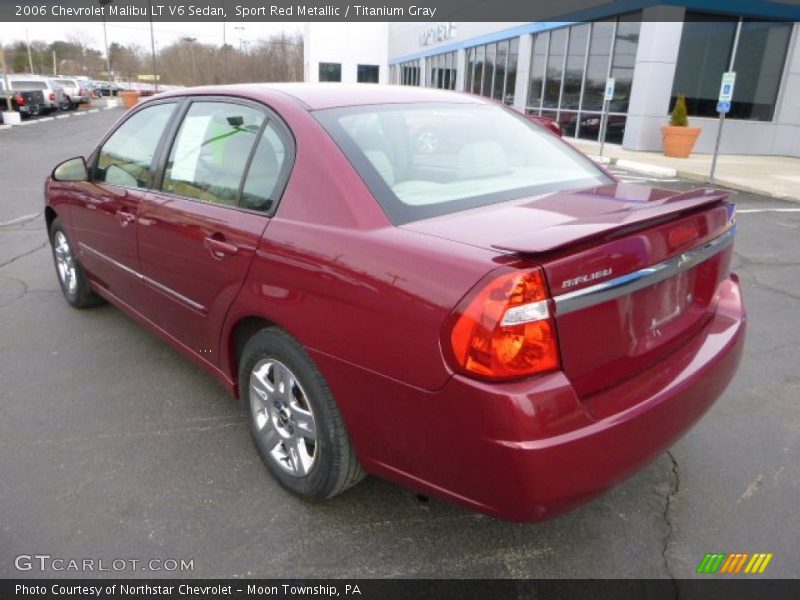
(610, 225)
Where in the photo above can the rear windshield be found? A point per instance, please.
(67, 82)
(425, 160)
(19, 84)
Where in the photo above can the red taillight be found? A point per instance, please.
(53, 96)
(505, 330)
(682, 234)
(20, 100)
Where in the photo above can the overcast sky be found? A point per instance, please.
(139, 32)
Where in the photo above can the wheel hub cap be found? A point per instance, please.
(283, 417)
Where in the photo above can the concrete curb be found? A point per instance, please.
(701, 178)
(81, 113)
(646, 169)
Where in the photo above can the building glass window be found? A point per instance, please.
(705, 54)
(408, 72)
(555, 68)
(576, 59)
(511, 71)
(367, 73)
(625, 43)
(492, 70)
(597, 66)
(501, 56)
(330, 71)
(759, 62)
(488, 70)
(480, 60)
(442, 71)
(538, 60)
(569, 67)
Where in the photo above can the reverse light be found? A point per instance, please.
(505, 330)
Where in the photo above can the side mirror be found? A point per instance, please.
(73, 169)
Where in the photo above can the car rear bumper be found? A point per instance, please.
(529, 450)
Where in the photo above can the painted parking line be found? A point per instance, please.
(748, 211)
(22, 219)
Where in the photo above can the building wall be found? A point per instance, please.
(349, 44)
(656, 59)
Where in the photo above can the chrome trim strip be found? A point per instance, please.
(632, 282)
(169, 291)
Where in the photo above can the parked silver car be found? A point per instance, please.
(76, 93)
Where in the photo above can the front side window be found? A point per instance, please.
(211, 151)
(423, 160)
(126, 157)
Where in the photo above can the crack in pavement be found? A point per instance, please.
(24, 254)
(674, 489)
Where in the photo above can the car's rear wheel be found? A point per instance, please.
(70, 274)
(294, 421)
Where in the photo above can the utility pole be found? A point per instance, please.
(152, 44)
(104, 3)
(6, 84)
(30, 58)
(191, 41)
(55, 69)
(224, 51)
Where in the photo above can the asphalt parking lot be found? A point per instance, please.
(114, 446)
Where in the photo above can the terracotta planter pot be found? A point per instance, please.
(679, 141)
(129, 98)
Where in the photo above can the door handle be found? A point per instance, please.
(125, 217)
(218, 247)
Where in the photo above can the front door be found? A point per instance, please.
(199, 234)
(104, 218)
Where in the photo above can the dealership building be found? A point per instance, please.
(559, 68)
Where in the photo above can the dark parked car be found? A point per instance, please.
(29, 103)
(506, 327)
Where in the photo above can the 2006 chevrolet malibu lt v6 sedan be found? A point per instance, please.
(491, 319)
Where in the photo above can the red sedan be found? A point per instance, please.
(495, 321)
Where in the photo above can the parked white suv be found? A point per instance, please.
(74, 91)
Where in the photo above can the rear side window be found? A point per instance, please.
(211, 151)
(125, 158)
(261, 184)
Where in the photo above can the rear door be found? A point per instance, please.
(199, 233)
(104, 219)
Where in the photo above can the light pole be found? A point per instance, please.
(104, 3)
(30, 58)
(191, 41)
(152, 44)
(240, 30)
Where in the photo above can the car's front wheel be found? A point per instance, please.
(69, 271)
(294, 421)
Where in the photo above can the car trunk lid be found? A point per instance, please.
(633, 270)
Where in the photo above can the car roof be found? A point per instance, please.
(317, 96)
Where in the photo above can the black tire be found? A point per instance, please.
(335, 466)
(79, 295)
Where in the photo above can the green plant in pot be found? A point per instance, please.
(678, 137)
